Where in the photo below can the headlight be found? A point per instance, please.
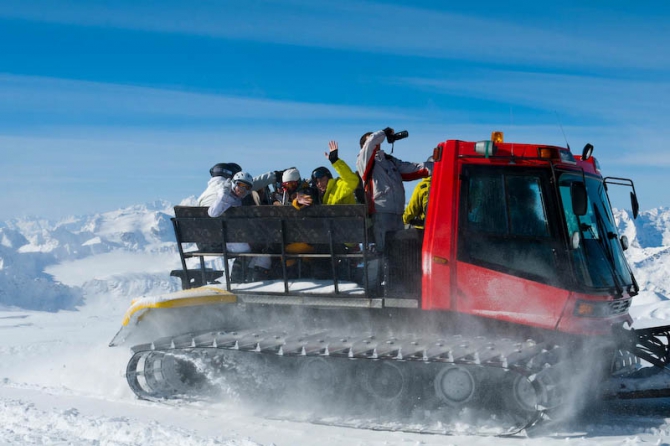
(589, 308)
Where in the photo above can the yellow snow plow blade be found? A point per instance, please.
(152, 307)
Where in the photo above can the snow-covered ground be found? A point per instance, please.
(60, 384)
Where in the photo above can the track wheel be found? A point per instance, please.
(318, 377)
(524, 395)
(455, 385)
(184, 373)
(385, 381)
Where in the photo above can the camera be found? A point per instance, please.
(393, 137)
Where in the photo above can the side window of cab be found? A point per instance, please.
(503, 222)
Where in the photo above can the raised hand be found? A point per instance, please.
(332, 156)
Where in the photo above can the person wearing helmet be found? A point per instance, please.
(232, 193)
(224, 172)
(330, 190)
(338, 190)
(220, 173)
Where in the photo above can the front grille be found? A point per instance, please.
(619, 306)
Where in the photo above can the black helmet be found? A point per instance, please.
(226, 170)
(321, 172)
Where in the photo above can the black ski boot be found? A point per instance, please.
(238, 271)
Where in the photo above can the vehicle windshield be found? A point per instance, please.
(599, 261)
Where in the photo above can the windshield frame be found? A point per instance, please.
(598, 263)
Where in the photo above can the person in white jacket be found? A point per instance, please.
(383, 177)
(223, 172)
(230, 195)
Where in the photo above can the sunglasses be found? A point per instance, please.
(243, 186)
(289, 184)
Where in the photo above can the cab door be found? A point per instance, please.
(508, 266)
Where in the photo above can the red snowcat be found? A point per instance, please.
(508, 307)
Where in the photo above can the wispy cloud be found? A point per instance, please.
(374, 27)
(596, 98)
(48, 95)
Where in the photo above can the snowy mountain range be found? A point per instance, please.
(53, 265)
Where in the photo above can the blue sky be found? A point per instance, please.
(109, 104)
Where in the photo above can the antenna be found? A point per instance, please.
(558, 118)
(511, 124)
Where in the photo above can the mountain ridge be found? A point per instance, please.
(52, 265)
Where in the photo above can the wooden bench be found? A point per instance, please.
(329, 227)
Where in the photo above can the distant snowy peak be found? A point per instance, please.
(29, 246)
(654, 227)
(11, 238)
(651, 229)
(144, 227)
(189, 201)
(155, 206)
(649, 252)
(132, 228)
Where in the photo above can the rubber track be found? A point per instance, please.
(532, 360)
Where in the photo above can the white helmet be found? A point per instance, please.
(243, 177)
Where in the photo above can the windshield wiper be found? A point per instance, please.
(609, 254)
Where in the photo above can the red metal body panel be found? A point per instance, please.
(453, 285)
(439, 253)
(492, 294)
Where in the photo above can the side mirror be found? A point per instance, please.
(579, 198)
(624, 242)
(634, 204)
(587, 152)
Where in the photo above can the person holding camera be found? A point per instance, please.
(305, 196)
(383, 177)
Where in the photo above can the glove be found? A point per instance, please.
(332, 156)
(278, 175)
(388, 131)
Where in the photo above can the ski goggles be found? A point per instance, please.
(243, 186)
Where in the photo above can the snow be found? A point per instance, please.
(60, 383)
(104, 266)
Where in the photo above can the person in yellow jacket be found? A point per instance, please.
(327, 190)
(415, 212)
(330, 190)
